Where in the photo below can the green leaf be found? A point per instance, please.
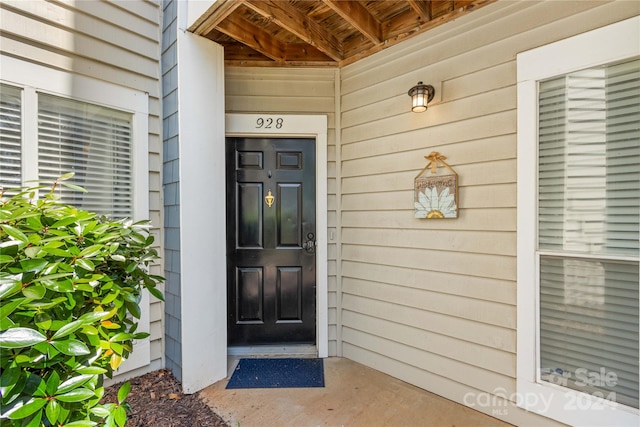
(110, 297)
(34, 291)
(76, 395)
(156, 293)
(71, 347)
(89, 330)
(74, 187)
(32, 251)
(20, 337)
(64, 221)
(81, 423)
(86, 264)
(100, 411)
(52, 277)
(68, 329)
(23, 410)
(35, 421)
(43, 320)
(73, 383)
(117, 348)
(121, 336)
(94, 316)
(57, 252)
(5, 259)
(35, 265)
(66, 176)
(9, 286)
(92, 370)
(6, 323)
(120, 416)
(61, 286)
(123, 392)
(52, 411)
(9, 307)
(8, 380)
(52, 383)
(85, 319)
(91, 251)
(10, 247)
(15, 233)
(134, 309)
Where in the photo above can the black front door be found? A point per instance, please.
(271, 227)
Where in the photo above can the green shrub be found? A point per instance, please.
(70, 288)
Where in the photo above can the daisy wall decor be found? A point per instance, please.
(436, 196)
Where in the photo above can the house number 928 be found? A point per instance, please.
(269, 123)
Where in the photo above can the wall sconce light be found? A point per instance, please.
(421, 95)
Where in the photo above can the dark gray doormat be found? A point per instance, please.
(278, 373)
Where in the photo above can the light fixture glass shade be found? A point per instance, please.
(421, 95)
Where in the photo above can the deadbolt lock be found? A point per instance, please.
(310, 244)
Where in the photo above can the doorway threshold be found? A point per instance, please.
(256, 351)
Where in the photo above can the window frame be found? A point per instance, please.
(615, 42)
(34, 78)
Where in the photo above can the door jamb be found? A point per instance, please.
(305, 126)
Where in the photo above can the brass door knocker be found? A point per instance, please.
(269, 199)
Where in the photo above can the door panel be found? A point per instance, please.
(289, 293)
(270, 249)
(288, 218)
(249, 289)
(249, 215)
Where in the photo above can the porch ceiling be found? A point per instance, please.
(320, 33)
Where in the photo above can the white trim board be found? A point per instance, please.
(309, 126)
(203, 279)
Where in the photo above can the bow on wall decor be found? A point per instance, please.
(436, 196)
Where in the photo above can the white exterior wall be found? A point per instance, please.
(433, 302)
(114, 43)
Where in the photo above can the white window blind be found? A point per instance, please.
(10, 136)
(588, 230)
(95, 143)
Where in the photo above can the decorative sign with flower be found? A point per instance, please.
(436, 196)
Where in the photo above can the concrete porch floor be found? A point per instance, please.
(354, 395)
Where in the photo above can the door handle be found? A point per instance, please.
(310, 244)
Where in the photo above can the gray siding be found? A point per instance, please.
(170, 182)
(114, 42)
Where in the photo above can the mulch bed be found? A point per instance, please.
(156, 399)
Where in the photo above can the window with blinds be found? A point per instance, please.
(10, 136)
(95, 143)
(589, 230)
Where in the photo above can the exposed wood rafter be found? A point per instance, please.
(289, 18)
(320, 33)
(359, 17)
(254, 37)
(422, 8)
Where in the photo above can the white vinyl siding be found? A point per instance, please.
(96, 44)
